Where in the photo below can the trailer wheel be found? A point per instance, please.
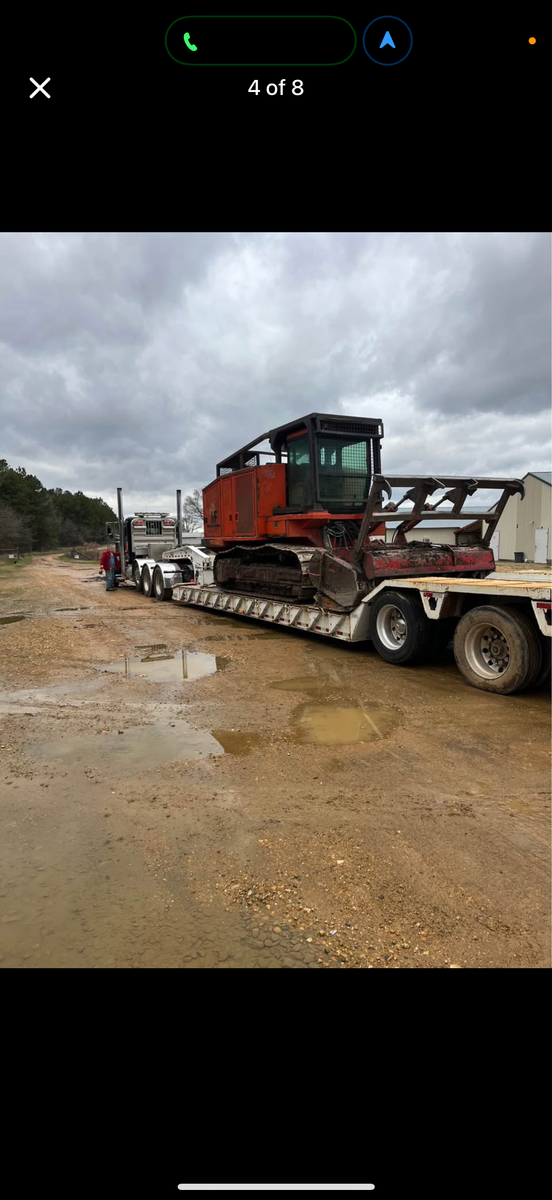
(497, 650)
(160, 590)
(147, 582)
(137, 577)
(399, 628)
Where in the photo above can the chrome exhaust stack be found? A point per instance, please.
(121, 529)
(179, 516)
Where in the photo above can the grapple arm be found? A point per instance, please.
(456, 490)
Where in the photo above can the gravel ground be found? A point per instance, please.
(181, 788)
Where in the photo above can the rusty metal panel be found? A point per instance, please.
(212, 514)
(391, 562)
(271, 489)
(244, 501)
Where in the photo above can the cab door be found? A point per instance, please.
(212, 510)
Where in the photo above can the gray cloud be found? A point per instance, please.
(143, 359)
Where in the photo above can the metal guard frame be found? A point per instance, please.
(419, 487)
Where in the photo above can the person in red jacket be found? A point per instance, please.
(110, 562)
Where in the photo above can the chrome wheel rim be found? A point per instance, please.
(487, 651)
(391, 627)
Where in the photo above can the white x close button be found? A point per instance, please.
(39, 87)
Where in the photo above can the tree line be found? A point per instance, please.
(37, 518)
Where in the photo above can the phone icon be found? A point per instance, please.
(189, 44)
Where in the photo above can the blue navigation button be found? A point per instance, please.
(387, 41)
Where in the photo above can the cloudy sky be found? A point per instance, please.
(141, 360)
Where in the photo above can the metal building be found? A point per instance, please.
(443, 532)
(525, 525)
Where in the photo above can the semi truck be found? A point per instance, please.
(151, 549)
(299, 541)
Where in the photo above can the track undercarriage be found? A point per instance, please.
(276, 570)
(307, 573)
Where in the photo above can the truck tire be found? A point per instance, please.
(497, 649)
(399, 628)
(137, 577)
(543, 677)
(147, 582)
(160, 589)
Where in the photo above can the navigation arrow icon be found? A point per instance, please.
(387, 41)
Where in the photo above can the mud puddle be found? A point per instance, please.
(143, 747)
(340, 724)
(234, 742)
(310, 684)
(158, 663)
(75, 608)
(35, 614)
(236, 637)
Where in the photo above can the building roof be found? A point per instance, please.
(452, 524)
(544, 476)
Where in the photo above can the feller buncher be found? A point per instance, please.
(310, 525)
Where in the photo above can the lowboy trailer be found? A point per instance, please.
(501, 626)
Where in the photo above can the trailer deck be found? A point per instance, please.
(353, 626)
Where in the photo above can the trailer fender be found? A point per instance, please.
(164, 576)
(441, 605)
(145, 562)
(542, 610)
(170, 571)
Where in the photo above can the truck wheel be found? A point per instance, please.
(543, 677)
(147, 582)
(137, 577)
(399, 628)
(497, 649)
(160, 590)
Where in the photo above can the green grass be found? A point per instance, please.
(8, 566)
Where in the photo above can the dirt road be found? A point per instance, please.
(184, 789)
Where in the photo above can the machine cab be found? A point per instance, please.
(330, 461)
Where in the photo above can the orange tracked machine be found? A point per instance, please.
(305, 520)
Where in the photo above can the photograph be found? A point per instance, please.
(275, 601)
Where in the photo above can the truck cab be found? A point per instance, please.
(150, 542)
(146, 535)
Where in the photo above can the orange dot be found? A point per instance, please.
(532, 41)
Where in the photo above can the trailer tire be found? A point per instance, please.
(497, 649)
(137, 577)
(543, 677)
(147, 582)
(160, 589)
(399, 628)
